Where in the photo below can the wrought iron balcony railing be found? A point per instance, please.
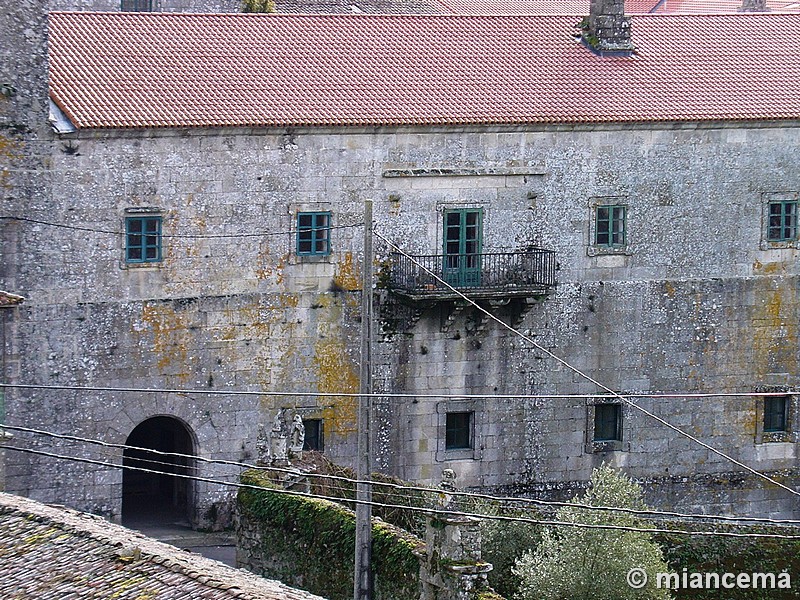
(490, 275)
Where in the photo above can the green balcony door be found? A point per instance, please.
(462, 247)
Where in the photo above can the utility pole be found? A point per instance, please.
(362, 580)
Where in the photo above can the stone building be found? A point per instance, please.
(625, 196)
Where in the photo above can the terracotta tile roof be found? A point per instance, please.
(48, 552)
(112, 70)
(581, 7)
(343, 7)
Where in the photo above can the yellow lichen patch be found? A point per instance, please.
(171, 337)
(10, 150)
(336, 373)
(775, 332)
(126, 584)
(346, 277)
(263, 261)
(772, 268)
(289, 300)
(38, 538)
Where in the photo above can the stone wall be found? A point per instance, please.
(696, 301)
(310, 543)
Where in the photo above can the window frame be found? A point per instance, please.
(456, 431)
(773, 237)
(319, 438)
(136, 5)
(610, 229)
(783, 214)
(143, 218)
(462, 405)
(771, 415)
(765, 434)
(594, 445)
(314, 229)
(613, 204)
(607, 422)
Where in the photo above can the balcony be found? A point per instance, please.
(491, 276)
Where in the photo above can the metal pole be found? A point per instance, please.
(362, 580)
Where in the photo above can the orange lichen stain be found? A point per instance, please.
(288, 300)
(336, 373)
(10, 150)
(171, 337)
(772, 268)
(346, 276)
(775, 332)
(264, 270)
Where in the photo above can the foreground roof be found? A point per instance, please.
(49, 552)
(116, 70)
(581, 7)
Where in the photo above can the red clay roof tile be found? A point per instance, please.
(112, 70)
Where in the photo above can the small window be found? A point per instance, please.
(136, 5)
(775, 409)
(782, 225)
(458, 431)
(607, 423)
(142, 239)
(610, 226)
(313, 233)
(314, 435)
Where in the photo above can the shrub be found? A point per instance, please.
(576, 563)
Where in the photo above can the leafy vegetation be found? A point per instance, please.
(576, 563)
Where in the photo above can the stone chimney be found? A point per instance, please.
(753, 6)
(607, 31)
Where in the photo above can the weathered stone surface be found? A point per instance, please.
(696, 302)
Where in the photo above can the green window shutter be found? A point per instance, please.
(463, 245)
(143, 239)
(610, 225)
(782, 226)
(313, 233)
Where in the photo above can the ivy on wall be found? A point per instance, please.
(310, 544)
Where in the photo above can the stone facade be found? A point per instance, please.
(695, 301)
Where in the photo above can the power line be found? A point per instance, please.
(398, 395)
(588, 377)
(168, 235)
(476, 495)
(426, 511)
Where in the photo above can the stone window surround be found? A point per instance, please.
(462, 405)
(592, 446)
(144, 211)
(768, 198)
(310, 207)
(593, 249)
(790, 434)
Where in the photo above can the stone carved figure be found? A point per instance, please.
(447, 485)
(277, 423)
(262, 446)
(297, 435)
(280, 457)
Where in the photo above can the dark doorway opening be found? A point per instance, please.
(158, 498)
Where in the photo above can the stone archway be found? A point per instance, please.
(158, 498)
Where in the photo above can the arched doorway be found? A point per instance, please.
(158, 498)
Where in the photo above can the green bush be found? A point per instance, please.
(258, 6)
(576, 563)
